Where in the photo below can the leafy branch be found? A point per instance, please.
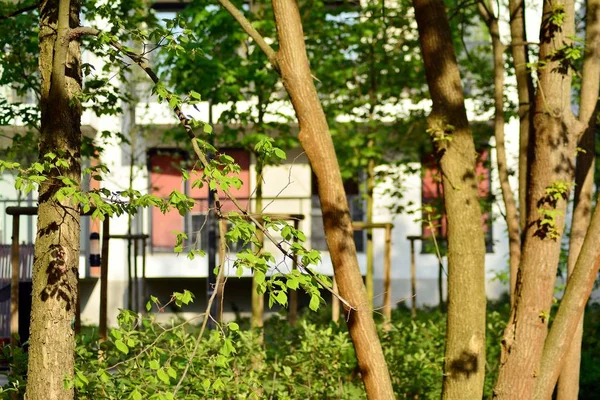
(175, 103)
(20, 11)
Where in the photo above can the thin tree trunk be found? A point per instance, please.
(464, 366)
(316, 141)
(568, 384)
(510, 206)
(569, 314)
(413, 278)
(370, 188)
(555, 136)
(258, 299)
(526, 94)
(56, 263)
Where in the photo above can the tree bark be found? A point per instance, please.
(568, 384)
(316, 141)
(56, 262)
(464, 366)
(369, 248)
(526, 94)
(568, 317)
(555, 136)
(510, 206)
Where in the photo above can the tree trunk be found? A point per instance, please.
(568, 384)
(316, 141)
(555, 136)
(370, 255)
(56, 263)
(568, 317)
(526, 93)
(258, 299)
(510, 206)
(464, 366)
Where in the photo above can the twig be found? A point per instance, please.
(253, 33)
(151, 345)
(222, 245)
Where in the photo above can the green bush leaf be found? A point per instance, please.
(122, 347)
(162, 375)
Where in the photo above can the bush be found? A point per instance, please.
(315, 359)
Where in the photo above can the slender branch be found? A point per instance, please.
(485, 11)
(219, 282)
(19, 11)
(590, 81)
(516, 44)
(253, 33)
(143, 63)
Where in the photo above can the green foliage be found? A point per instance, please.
(548, 221)
(557, 15)
(146, 359)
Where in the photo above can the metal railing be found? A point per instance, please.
(25, 263)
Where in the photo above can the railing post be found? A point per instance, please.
(387, 272)
(15, 279)
(104, 277)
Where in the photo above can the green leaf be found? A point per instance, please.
(232, 326)
(208, 129)
(135, 395)
(314, 302)
(173, 102)
(218, 384)
(292, 282)
(162, 375)
(122, 347)
(154, 364)
(195, 95)
(82, 377)
(279, 154)
(259, 277)
(171, 372)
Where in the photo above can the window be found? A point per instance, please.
(165, 166)
(432, 195)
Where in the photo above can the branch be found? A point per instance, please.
(253, 33)
(486, 13)
(19, 11)
(207, 315)
(143, 63)
(590, 81)
(579, 288)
